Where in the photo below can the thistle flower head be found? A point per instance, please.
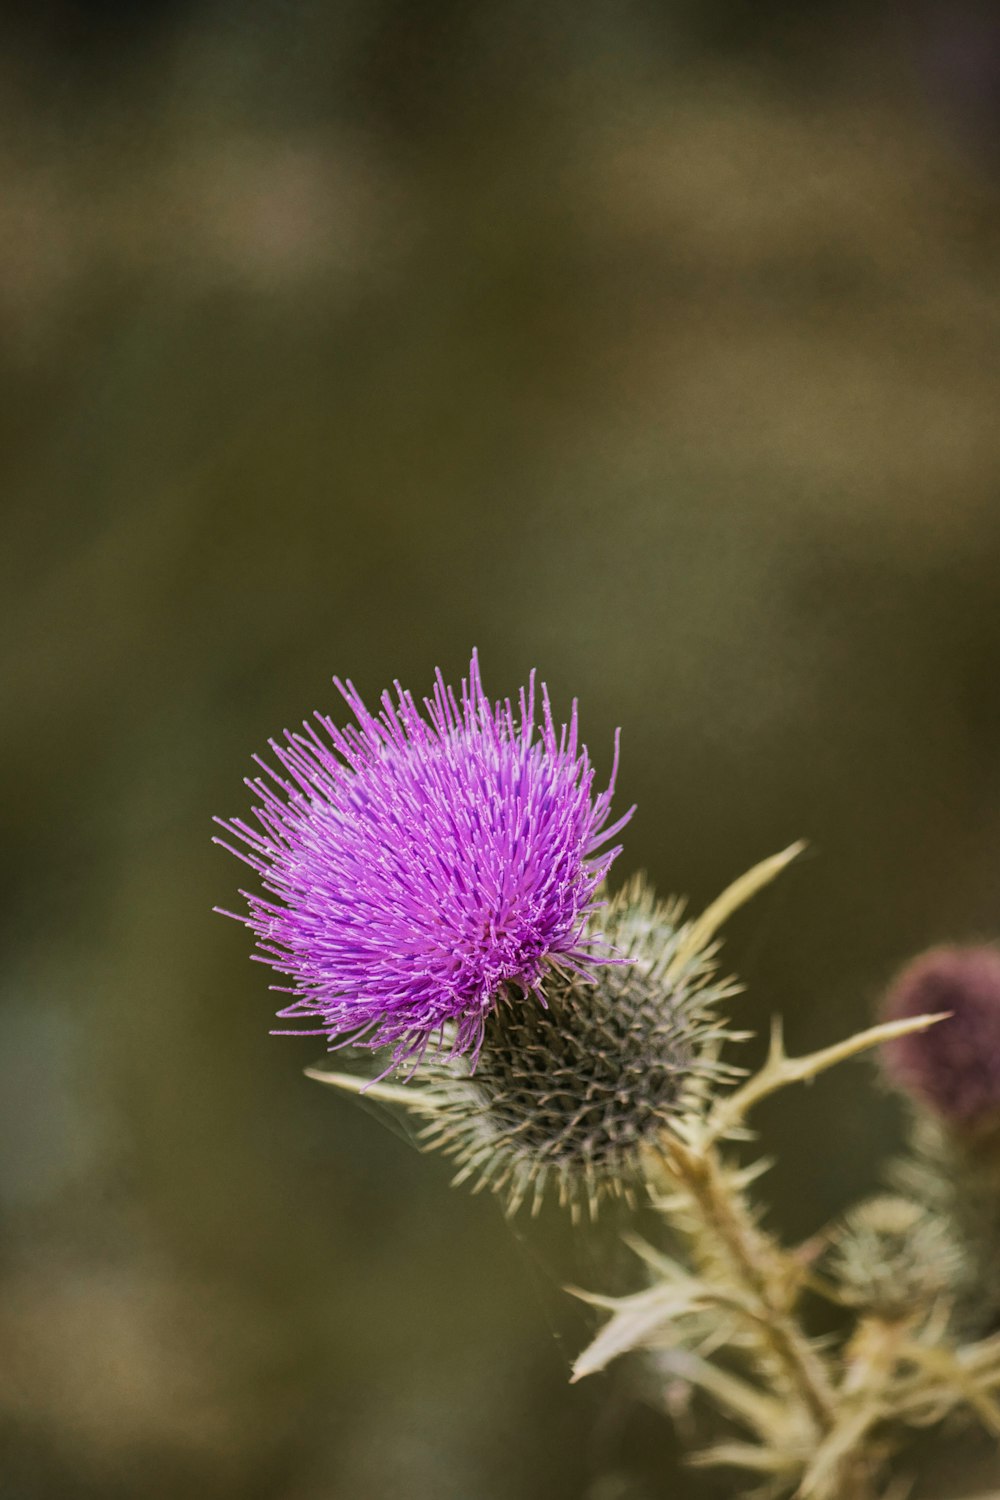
(568, 1094)
(422, 863)
(954, 1067)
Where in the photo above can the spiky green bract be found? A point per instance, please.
(958, 1180)
(565, 1096)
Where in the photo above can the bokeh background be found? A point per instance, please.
(656, 345)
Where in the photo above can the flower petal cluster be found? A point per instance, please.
(422, 863)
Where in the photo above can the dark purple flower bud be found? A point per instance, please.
(424, 863)
(953, 1067)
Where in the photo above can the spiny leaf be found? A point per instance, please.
(699, 933)
(780, 1070)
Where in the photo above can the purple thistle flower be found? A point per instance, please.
(424, 865)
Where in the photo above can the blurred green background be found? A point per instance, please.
(653, 345)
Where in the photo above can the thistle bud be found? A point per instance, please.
(954, 1067)
(893, 1258)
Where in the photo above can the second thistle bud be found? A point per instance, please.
(952, 1072)
(953, 1068)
